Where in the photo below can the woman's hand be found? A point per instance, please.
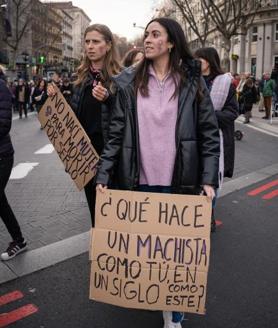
(100, 93)
(51, 91)
(101, 188)
(209, 191)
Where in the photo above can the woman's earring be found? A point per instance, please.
(170, 49)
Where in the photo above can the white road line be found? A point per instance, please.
(258, 129)
(21, 170)
(47, 149)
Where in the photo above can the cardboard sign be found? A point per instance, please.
(69, 139)
(151, 251)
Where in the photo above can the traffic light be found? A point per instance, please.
(42, 59)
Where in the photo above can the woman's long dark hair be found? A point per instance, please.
(129, 57)
(211, 56)
(180, 53)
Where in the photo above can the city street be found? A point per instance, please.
(48, 286)
(150, 80)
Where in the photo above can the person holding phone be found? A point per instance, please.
(93, 91)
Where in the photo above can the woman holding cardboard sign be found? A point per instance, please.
(163, 135)
(93, 92)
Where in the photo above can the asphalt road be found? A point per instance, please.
(242, 282)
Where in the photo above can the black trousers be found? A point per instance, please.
(90, 188)
(6, 212)
(90, 192)
(22, 107)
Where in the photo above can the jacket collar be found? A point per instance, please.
(192, 68)
(125, 77)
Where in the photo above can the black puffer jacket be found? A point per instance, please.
(6, 148)
(76, 104)
(226, 118)
(197, 137)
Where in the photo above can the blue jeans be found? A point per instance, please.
(176, 316)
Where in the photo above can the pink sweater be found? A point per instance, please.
(157, 116)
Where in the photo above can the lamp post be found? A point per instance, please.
(138, 26)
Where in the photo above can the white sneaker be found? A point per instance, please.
(168, 323)
(13, 249)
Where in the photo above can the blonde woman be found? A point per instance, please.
(92, 95)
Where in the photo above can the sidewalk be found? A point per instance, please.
(259, 124)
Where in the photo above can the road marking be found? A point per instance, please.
(218, 223)
(262, 188)
(47, 149)
(18, 314)
(259, 129)
(271, 195)
(21, 170)
(10, 297)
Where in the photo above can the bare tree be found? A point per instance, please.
(198, 23)
(20, 20)
(231, 18)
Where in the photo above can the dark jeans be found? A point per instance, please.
(22, 107)
(6, 212)
(90, 192)
(176, 316)
(90, 188)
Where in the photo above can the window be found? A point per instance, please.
(254, 36)
(276, 32)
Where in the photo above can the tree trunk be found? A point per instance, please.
(226, 62)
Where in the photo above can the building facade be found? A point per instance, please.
(67, 41)
(255, 51)
(47, 33)
(79, 24)
(45, 36)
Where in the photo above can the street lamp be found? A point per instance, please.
(138, 26)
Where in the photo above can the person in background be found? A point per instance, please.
(268, 88)
(18, 243)
(31, 88)
(40, 94)
(155, 113)
(236, 80)
(132, 57)
(66, 89)
(22, 97)
(56, 79)
(223, 96)
(92, 98)
(247, 98)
